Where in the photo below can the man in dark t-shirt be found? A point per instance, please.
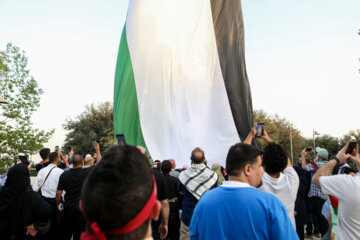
(172, 183)
(44, 154)
(159, 229)
(162, 195)
(71, 182)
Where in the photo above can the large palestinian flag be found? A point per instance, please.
(181, 80)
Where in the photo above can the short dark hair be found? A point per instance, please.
(347, 170)
(44, 153)
(53, 156)
(238, 156)
(195, 159)
(275, 158)
(165, 166)
(77, 159)
(123, 183)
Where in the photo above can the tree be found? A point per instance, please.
(95, 122)
(21, 90)
(330, 143)
(279, 130)
(346, 137)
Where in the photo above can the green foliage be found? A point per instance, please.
(23, 94)
(330, 143)
(95, 122)
(279, 131)
(352, 133)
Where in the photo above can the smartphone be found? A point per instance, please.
(121, 139)
(69, 149)
(259, 130)
(56, 148)
(309, 149)
(352, 146)
(93, 142)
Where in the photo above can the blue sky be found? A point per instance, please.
(302, 57)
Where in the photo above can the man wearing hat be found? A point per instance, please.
(316, 197)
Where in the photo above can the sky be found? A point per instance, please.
(302, 58)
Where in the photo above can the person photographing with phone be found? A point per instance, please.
(346, 188)
(316, 198)
(279, 178)
(71, 182)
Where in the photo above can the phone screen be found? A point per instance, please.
(259, 130)
(121, 139)
(93, 142)
(56, 148)
(352, 146)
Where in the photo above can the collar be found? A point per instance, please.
(198, 166)
(267, 176)
(235, 184)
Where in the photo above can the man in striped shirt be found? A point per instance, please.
(316, 197)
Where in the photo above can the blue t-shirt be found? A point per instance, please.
(232, 212)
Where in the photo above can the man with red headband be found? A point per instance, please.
(119, 197)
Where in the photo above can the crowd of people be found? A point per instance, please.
(259, 194)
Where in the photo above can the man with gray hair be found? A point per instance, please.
(88, 161)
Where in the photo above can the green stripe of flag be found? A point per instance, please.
(126, 111)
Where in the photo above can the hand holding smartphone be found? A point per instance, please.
(259, 130)
(352, 146)
(121, 139)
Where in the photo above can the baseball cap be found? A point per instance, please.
(322, 152)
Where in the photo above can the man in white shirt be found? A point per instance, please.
(279, 178)
(346, 188)
(47, 181)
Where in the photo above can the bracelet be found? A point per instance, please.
(336, 159)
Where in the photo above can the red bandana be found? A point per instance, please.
(137, 221)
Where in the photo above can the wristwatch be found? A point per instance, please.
(337, 160)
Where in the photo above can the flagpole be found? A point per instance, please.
(291, 147)
(314, 138)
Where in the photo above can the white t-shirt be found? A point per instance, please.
(48, 188)
(347, 189)
(285, 188)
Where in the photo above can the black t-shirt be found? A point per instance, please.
(39, 166)
(72, 181)
(172, 183)
(162, 189)
(162, 194)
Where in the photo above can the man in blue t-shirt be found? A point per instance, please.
(236, 209)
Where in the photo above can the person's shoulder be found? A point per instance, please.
(342, 178)
(39, 166)
(261, 195)
(290, 170)
(214, 194)
(64, 173)
(159, 177)
(88, 169)
(174, 179)
(309, 166)
(59, 170)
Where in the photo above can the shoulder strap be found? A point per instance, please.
(46, 178)
(314, 165)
